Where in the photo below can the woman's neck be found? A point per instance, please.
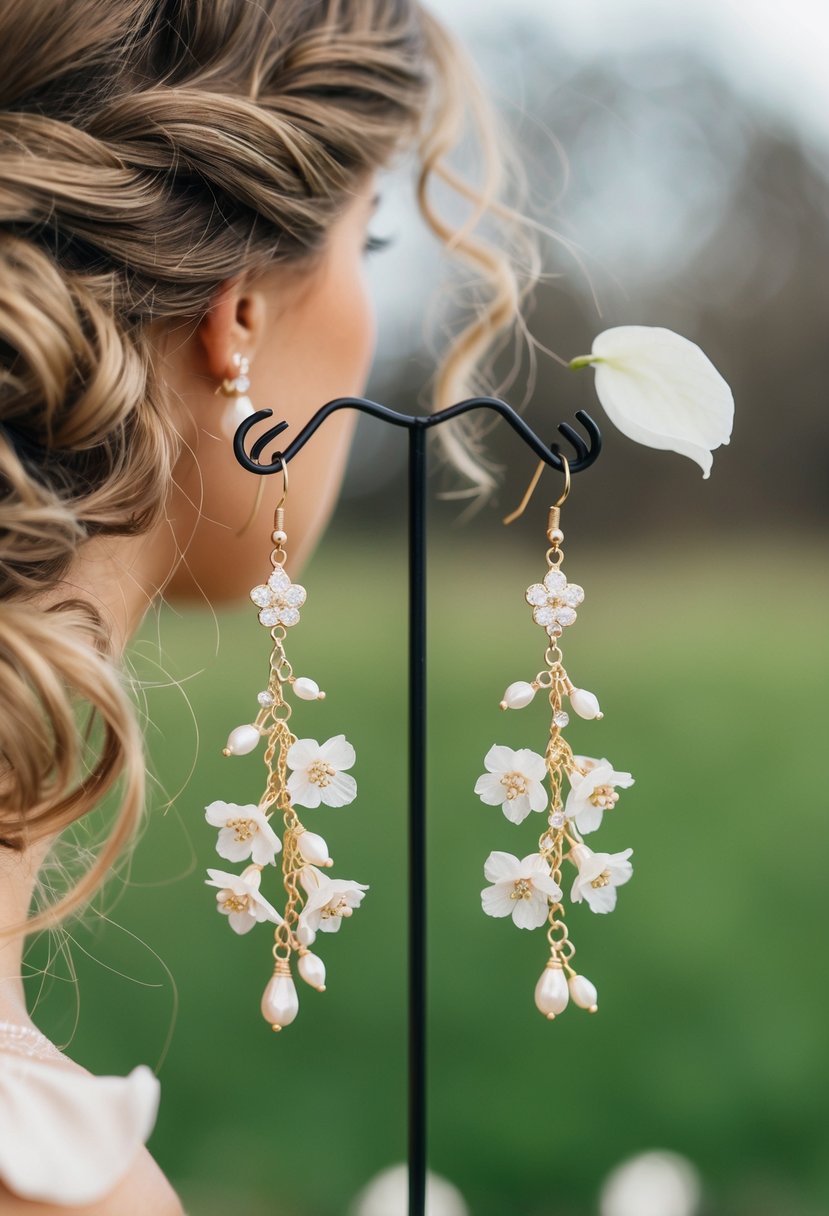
(18, 874)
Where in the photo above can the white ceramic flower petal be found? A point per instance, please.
(341, 790)
(490, 789)
(303, 792)
(496, 901)
(621, 870)
(623, 780)
(537, 796)
(264, 847)
(223, 880)
(601, 899)
(338, 751)
(501, 867)
(499, 759)
(217, 812)
(302, 753)
(661, 390)
(241, 922)
(261, 910)
(547, 886)
(530, 913)
(517, 809)
(530, 763)
(230, 848)
(588, 817)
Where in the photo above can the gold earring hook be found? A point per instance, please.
(257, 502)
(284, 481)
(534, 480)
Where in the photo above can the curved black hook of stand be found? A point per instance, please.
(586, 453)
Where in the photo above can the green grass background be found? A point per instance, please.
(711, 1039)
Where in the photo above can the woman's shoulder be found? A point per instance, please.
(72, 1139)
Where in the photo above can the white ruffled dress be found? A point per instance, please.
(67, 1138)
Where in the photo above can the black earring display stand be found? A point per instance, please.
(417, 427)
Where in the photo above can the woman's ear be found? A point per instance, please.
(233, 323)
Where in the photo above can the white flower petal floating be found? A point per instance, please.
(661, 390)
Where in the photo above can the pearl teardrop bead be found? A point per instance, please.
(312, 969)
(236, 411)
(584, 993)
(551, 991)
(241, 740)
(313, 848)
(585, 703)
(280, 1003)
(519, 694)
(306, 688)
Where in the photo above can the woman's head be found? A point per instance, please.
(181, 181)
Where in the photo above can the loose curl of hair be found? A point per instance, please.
(149, 151)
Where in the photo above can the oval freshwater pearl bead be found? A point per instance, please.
(241, 740)
(551, 991)
(312, 969)
(306, 688)
(584, 993)
(313, 848)
(585, 703)
(305, 935)
(280, 1003)
(519, 694)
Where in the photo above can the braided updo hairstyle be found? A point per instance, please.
(150, 150)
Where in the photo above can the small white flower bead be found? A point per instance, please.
(312, 848)
(519, 694)
(306, 936)
(241, 740)
(307, 689)
(551, 991)
(312, 969)
(585, 703)
(280, 1003)
(584, 993)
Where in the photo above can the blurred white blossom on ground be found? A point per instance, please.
(653, 1184)
(388, 1195)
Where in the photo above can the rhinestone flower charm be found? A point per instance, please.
(279, 600)
(554, 601)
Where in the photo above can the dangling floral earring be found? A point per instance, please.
(318, 775)
(529, 889)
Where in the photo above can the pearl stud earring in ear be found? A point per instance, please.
(240, 406)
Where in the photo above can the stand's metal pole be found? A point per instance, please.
(417, 820)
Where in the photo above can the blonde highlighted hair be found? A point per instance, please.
(149, 151)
